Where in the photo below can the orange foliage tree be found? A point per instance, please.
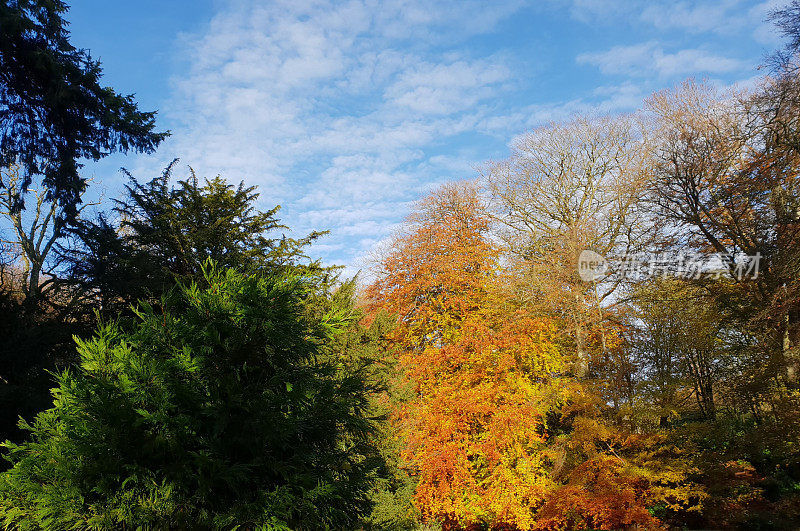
(483, 371)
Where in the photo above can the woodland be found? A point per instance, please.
(173, 360)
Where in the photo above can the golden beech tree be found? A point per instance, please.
(483, 371)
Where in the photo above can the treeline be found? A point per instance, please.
(655, 389)
(206, 373)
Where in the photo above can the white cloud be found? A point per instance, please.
(345, 111)
(590, 11)
(649, 58)
(328, 105)
(718, 16)
(729, 18)
(447, 88)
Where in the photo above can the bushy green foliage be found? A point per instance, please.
(392, 493)
(223, 407)
(29, 347)
(166, 231)
(55, 114)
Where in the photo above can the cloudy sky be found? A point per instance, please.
(345, 112)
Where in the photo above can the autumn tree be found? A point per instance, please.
(483, 371)
(677, 338)
(497, 429)
(727, 181)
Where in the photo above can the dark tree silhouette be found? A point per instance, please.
(53, 109)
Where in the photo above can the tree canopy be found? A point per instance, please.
(54, 111)
(164, 231)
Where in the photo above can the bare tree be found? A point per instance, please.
(31, 245)
(566, 188)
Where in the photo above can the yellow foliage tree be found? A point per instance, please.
(484, 371)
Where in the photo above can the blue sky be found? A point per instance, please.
(345, 112)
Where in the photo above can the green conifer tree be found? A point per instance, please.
(228, 404)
